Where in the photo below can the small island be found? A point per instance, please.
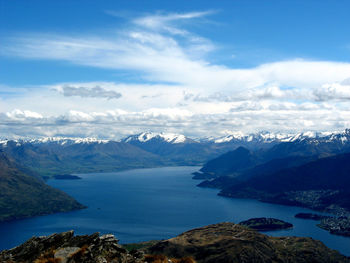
(266, 224)
(66, 177)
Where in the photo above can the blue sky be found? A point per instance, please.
(179, 66)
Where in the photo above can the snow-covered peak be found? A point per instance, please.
(266, 137)
(67, 140)
(53, 140)
(147, 136)
(3, 142)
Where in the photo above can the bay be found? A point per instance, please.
(152, 204)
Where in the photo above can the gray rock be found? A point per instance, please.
(65, 253)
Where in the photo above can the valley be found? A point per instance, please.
(300, 171)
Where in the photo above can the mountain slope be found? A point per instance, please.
(48, 158)
(230, 163)
(269, 167)
(318, 184)
(176, 148)
(286, 153)
(22, 195)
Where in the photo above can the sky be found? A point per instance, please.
(108, 69)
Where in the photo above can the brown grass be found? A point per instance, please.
(156, 259)
(183, 260)
(79, 254)
(48, 257)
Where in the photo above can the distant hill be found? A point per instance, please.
(64, 157)
(55, 155)
(319, 184)
(230, 163)
(258, 170)
(22, 195)
(242, 164)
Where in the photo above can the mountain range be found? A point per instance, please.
(49, 156)
(312, 172)
(226, 163)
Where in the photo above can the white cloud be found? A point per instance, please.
(253, 116)
(195, 97)
(23, 115)
(333, 91)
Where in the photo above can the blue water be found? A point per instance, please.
(146, 204)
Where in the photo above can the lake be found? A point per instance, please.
(158, 203)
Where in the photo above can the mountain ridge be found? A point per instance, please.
(262, 136)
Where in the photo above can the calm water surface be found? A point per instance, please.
(159, 203)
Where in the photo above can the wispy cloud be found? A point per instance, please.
(199, 95)
(168, 22)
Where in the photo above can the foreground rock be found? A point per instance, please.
(266, 224)
(67, 248)
(224, 242)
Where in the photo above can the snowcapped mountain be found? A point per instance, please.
(59, 154)
(162, 137)
(172, 138)
(67, 141)
(269, 137)
(53, 141)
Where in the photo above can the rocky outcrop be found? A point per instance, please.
(67, 248)
(224, 242)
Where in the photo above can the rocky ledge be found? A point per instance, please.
(224, 242)
(266, 224)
